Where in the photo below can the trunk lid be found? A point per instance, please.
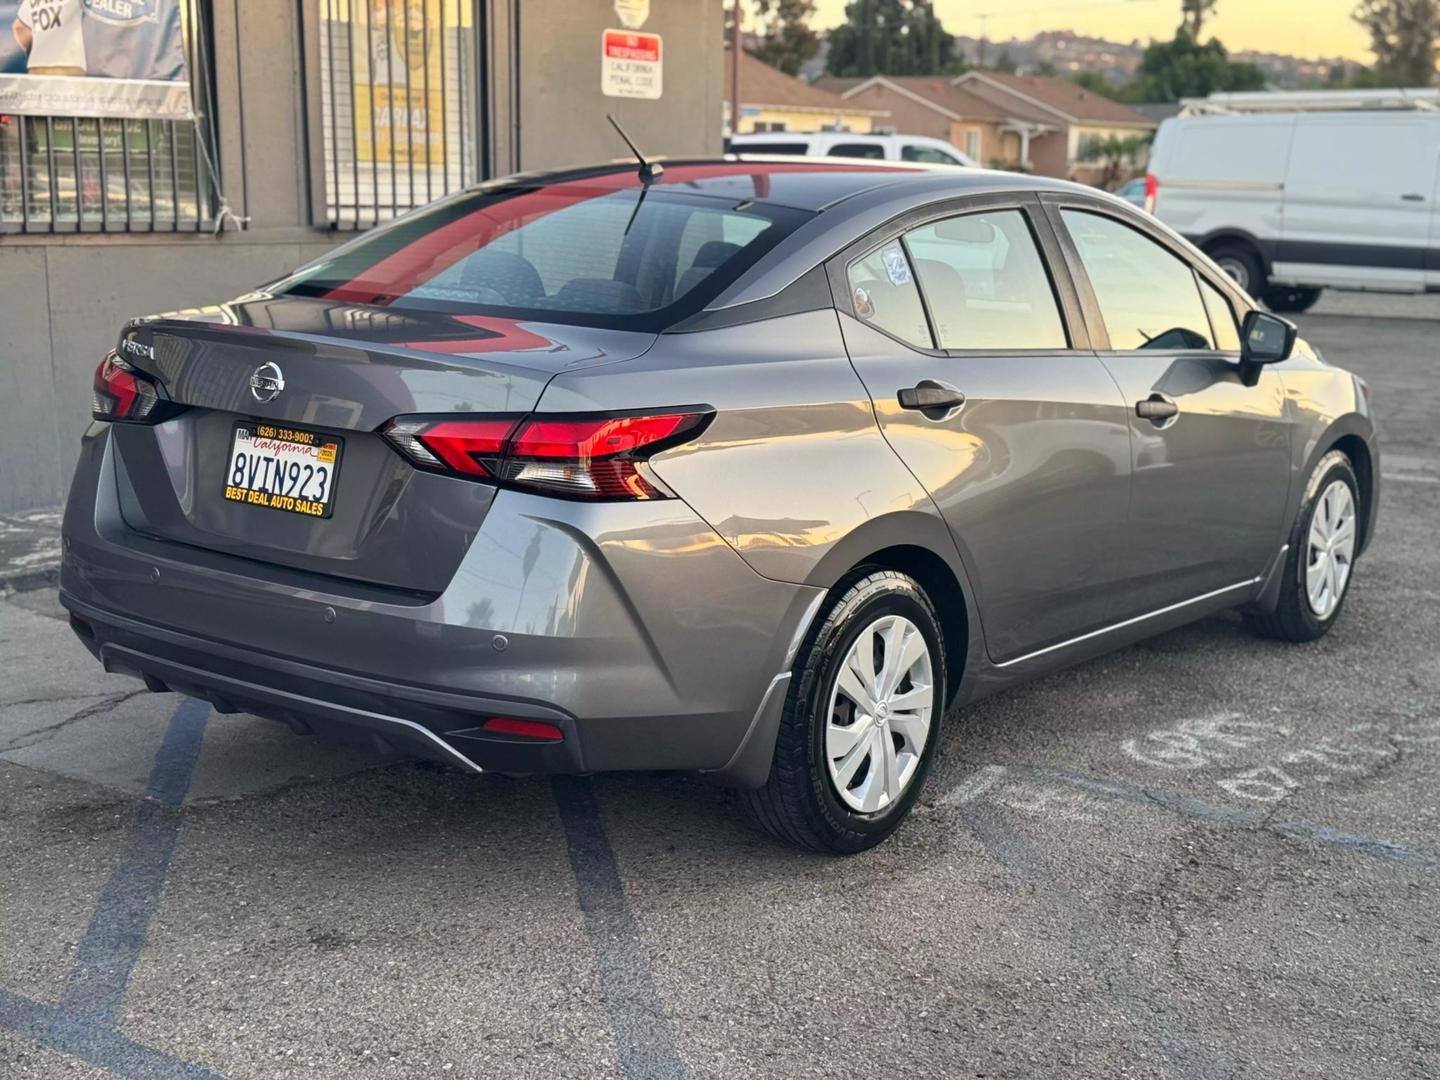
(346, 370)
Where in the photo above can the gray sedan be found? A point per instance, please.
(748, 467)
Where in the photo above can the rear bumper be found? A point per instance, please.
(632, 627)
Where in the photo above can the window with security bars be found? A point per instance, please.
(82, 174)
(398, 105)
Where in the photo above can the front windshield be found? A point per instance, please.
(602, 251)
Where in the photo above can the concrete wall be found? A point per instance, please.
(63, 298)
(562, 111)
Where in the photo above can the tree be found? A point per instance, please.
(1117, 155)
(1005, 63)
(786, 40)
(1403, 36)
(1097, 83)
(1171, 70)
(889, 37)
(1046, 68)
(1193, 14)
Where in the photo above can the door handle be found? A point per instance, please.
(1158, 409)
(930, 396)
(1413, 197)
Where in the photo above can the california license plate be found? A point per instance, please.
(283, 469)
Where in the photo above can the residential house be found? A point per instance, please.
(1032, 122)
(770, 100)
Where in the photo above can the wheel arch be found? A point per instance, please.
(1211, 240)
(919, 545)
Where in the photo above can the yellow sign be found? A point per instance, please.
(399, 90)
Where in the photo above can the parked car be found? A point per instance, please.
(1133, 192)
(753, 468)
(1292, 203)
(917, 148)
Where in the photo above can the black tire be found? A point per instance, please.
(1242, 262)
(1293, 619)
(1288, 300)
(798, 803)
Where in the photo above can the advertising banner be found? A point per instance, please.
(399, 81)
(104, 58)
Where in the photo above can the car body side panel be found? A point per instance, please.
(793, 463)
(1326, 404)
(1032, 474)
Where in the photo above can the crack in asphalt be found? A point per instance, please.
(39, 735)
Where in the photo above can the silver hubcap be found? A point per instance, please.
(1236, 269)
(879, 716)
(1331, 549)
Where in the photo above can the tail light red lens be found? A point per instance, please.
(589, 457)
(122, 393)
(1152, 192)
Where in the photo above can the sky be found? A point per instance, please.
(1305, 28)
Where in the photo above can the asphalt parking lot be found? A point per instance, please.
(1204, 856)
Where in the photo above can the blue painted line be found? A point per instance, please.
(101, 1047)
(644, 1037)
(112, 943)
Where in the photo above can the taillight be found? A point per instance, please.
(122, 393)
(1152, 192)
(585, 457)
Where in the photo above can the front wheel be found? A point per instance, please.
(859, 728)
(1321, 559)
(1290, 301)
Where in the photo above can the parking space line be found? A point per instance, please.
(116, 933)
(644, 1037)
(80, 1024)
(102, 1047)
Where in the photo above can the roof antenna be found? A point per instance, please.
(650, 171)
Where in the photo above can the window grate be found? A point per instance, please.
(397, 105)
(61, 174)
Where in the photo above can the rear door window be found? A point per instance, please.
(883, 294)
(787, 148)
(873, 151)
(986, 284)
(1148, 296)
(929, 155)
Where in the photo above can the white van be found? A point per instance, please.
(920, 148)
(1292, 193)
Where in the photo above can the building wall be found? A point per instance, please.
(907, 116)
(991, 141)
(63, 298)
(803, 120)
(562, 111)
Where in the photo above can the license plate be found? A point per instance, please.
(283, 469)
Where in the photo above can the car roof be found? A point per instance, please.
(812, 183)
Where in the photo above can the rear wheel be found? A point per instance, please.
(1288, 300)
(1242, 263)
(859, 727)
(1321, 559)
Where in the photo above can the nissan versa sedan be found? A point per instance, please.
(753, 468)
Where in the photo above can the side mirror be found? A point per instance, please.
(1266, 338)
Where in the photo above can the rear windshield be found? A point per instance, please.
(594, 253)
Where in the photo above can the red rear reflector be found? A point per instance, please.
(529, 729)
